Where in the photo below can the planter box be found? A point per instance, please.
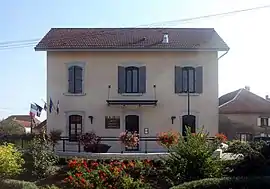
(97, 148)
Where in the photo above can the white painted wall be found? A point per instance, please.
(101, 71)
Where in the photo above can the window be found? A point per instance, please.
(132, 80)
(263, 121)
(188, 79)
(75, 127)
(75, 79)
(243, 137)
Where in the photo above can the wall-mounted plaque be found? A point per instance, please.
(112, 122)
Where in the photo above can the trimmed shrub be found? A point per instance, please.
(227, 182)
(16, 184)
(11, 161)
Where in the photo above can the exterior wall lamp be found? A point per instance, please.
(173, 118)
(91, 119)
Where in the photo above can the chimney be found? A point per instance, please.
(267, 97)
(247, 88)
(165, 38)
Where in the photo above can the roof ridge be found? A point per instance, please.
(233, 99)
(258, 96)
(132, 28)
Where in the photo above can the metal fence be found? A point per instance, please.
(143, 145)
(146, 144)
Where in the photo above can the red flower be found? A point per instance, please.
(72, 163)
(70, 177)
(83, 180)
(84, 163)
(94, 164)
(221, 137)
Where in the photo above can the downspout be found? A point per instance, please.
(223, 54)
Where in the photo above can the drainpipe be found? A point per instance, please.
(223, 54)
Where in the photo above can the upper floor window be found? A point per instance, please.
(75, 127)
(263, 121)
(131, 79)
(75, 79)
(188, 79)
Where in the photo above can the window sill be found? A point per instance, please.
(131, 94)
(74, 94)
(191, 94)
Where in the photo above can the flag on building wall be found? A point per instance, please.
(51, 106)
(57, 107)
(45, 106)
(39, 109)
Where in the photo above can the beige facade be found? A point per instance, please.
(100, 70)
(243, 124)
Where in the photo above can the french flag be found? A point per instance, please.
(33, 110)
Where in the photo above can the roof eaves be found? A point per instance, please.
(133, 49)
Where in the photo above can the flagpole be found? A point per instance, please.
(31, 121)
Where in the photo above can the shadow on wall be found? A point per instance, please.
(232, 129)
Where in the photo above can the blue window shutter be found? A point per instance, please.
(142, 79)
(121, 79)
(199, 79)
(78, 79)
(178, 79)
(71, 79)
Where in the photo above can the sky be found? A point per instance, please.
(23, 71)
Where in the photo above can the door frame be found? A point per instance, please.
(137, 113)
(192, 112)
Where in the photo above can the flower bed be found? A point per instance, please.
(110, 173)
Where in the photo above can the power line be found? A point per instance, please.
(207, 16)
(15, 45)
(31, 42)
(21, 41)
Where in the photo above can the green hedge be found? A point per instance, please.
(16, 184)
(229, 182)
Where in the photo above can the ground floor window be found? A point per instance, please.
(244, 137)
(75, 127)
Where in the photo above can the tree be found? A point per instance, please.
(11, 127)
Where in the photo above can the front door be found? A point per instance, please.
(132, 125)
(188, 121)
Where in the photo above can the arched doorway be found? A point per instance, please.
(188, 121)
(132, 125)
